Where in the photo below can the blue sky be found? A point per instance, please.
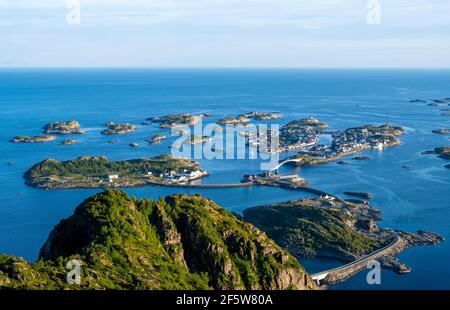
(225, 33)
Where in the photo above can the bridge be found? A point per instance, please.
(292, 160)
(236, 185)
(344, 272)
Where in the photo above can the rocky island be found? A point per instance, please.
(177, 120)
(445, 100)
(442, 152)
(177, 243)
(241, 119)
(64, 128)
(156, 139)
(197, 139)
(34, 139)
(442, 131)
(118, 129)
(69, 142)
(262, 116)
(99, 172)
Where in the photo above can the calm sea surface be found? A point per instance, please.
(413, 199)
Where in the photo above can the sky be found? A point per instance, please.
(226, 33)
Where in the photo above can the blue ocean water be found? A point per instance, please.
(413, 199)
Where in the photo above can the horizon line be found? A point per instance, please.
(220, 68)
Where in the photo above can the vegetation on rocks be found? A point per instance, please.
(64, 128)
(176, 120)
(180, 242)
(316, 227)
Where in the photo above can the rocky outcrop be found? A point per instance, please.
(262, 116)
(69, 142)
(118, 129)
(181, 242)
(442, 131)
(64, 128)
(35, 139)
(443, 152)
(177, 120)
(156, 139)
(241, 119)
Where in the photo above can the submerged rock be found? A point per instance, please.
(363, 195)
(361, 158)
(442, 131)
(69, 142)
(342, 162)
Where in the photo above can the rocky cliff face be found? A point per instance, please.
(181, 242)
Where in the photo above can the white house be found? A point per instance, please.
(112, 177)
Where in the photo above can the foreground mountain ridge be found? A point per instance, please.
(180, 242)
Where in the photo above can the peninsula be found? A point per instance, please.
(346, 231)
(99, 172)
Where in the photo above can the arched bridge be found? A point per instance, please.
(292, 160)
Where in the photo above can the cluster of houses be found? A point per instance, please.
(186, 176)
(351, 140)
(297, 138)
(172, 176)
(357, 138)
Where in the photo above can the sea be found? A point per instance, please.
(411, 189)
